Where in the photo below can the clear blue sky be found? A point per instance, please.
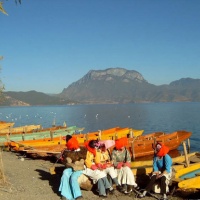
(49, 44)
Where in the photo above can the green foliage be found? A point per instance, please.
(18, 1)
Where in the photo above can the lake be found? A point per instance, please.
(165, 117)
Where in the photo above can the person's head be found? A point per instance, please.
(161, 149)
(94, 144)
(68, 137)
(102, 147)
(121, 143)
(72, 144)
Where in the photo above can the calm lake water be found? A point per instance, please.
(165, 117)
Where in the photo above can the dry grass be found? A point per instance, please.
(3, 183)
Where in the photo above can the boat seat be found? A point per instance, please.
(197, 174)
(187, 178)
(176, 180)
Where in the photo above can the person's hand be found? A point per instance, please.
(119, 165)
(104, 166)
(126, 164)
(109, 164)
(99, 166)
(159, 176)
(94, 167)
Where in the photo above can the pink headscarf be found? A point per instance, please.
(108, 143)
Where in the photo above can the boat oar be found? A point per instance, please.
(52, 169)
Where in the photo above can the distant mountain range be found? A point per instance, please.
(113, 85)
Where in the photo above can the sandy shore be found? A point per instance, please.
(29, 178)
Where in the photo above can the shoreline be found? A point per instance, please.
(28, 178)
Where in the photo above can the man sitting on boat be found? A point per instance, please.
(162, 171)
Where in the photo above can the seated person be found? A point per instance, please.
(105, 161)
(94, 171)
(69, 186)
(162, 170)
(121, 159)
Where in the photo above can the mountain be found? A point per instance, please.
(31, 98)
(118, 85)
(113, 85)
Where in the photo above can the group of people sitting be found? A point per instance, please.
(107, 168)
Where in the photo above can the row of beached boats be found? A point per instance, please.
(139, 146)
(51, 142)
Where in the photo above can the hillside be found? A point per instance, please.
(31, 98)
(113, 85)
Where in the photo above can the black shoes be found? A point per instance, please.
(119, 188)
(111, 190)
(137, 188)
(80, 197)
(129, 189)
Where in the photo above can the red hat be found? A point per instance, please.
(162, 150)
(90, 145)
(72, 144)
(121, 142)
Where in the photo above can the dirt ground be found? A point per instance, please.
(26, 178)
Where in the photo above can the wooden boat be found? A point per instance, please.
(28, 129)
(44, 142)
(139, 146)
(109, 134)
(192, 183)
(49, 143)
(145, 170)
(41, 134)
(20, 129)
(179, 162)
(189, 177)
(4, 124)
(176, 160)
(142, 146)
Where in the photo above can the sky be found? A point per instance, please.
(47, 45)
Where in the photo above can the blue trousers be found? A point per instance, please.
(69, 186)
(102, 185)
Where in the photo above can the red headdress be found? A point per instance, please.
(121, 142)
(72, 144)
(90, 145)
(162, 150)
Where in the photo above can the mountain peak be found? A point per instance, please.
(111, 74)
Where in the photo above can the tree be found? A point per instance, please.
(2, 9)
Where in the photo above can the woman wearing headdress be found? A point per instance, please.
(121, 159)
(69, 186)
(162, 170)
(104, 160)
(94, 170)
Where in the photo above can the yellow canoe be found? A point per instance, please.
(192, 183)
(178, 159)
(20, 129)
(4, 124)
(111, 133)
(189, 177)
